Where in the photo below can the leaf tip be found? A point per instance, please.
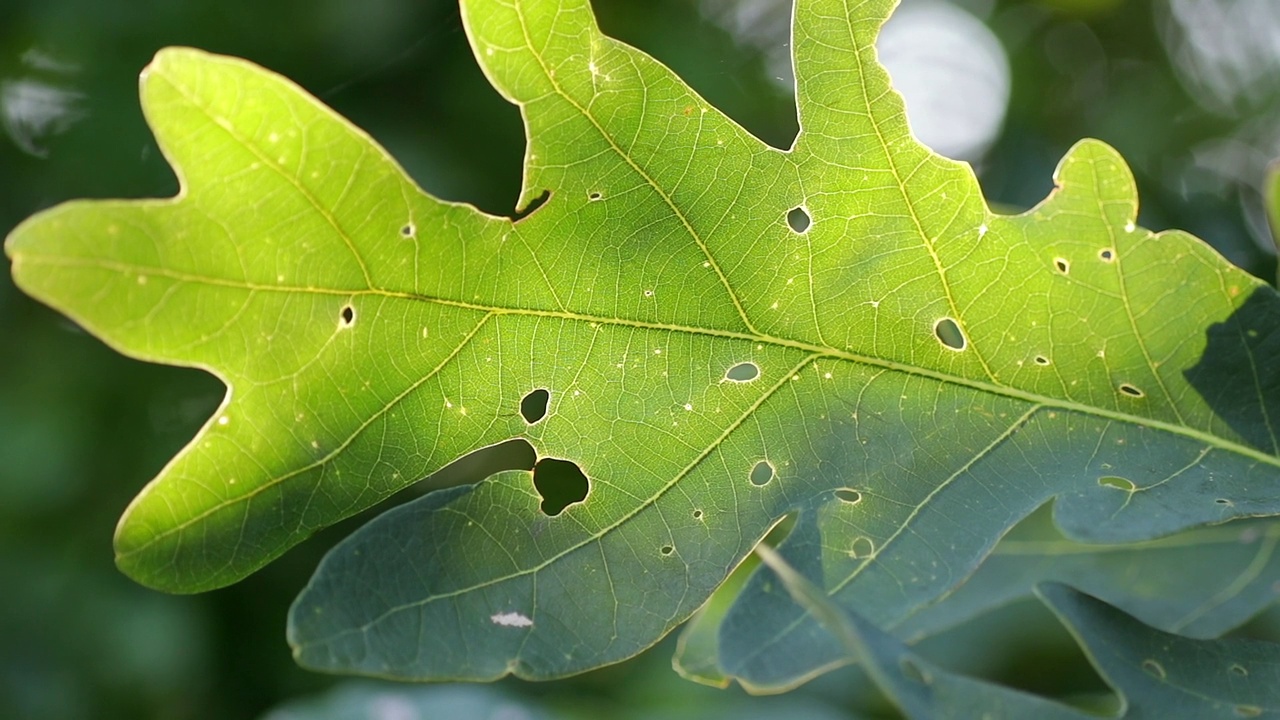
(1094, 163)
(167, 58)
(150, 558)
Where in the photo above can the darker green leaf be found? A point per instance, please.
(1157, 675)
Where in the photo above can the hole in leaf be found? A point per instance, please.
(1042, 360)
(1248, 711)
(849, 495)
(1131, 391)
(914, 672)
(949, 334)
(1106, 255)
(743, 372)
(798, 219)
(1224, 501)
(1063, 266)
(666, 550)
(514, 454)
(862, 547)
(407, 230)
(1118, 483)
(347, 315)
(697, 514)
(560, 483)
(533, 407)
(593, 197)
(762, 473)
(1153, 668)
(533, 206)
(1238, 669)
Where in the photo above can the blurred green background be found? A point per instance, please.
(1187, 90)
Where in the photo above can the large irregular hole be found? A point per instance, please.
(762, 473)
(533, 407)
(515, 454)
(798, 219)
(743, 372)
(949, 334)
(560, 483)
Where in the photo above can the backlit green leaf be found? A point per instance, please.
(725, 333)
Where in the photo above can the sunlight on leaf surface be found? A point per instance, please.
(370, 334)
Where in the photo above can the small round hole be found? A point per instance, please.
(742, 372)
(762, 473)
(1106, 255)
(595, 196)
(347, 315)
(666, 550)
(1118, 483)
(1224, 501)
(697, 514)
(408, 230)
(798, 219)
(533, 407)
(949, 334)
(1042, 360)
(1131, 390)
(862, 547)
(849, 495)
(1063, 266)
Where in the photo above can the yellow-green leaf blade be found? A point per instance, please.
(922, 372)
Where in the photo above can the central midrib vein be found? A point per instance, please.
(818, 351)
